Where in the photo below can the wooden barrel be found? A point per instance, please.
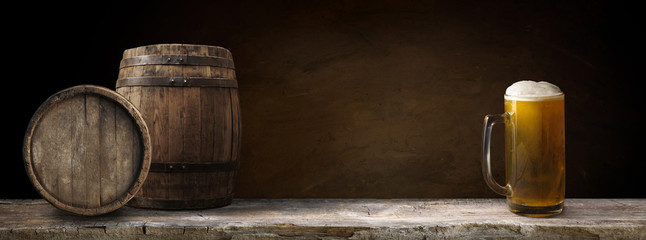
(87, 150)
(188, 96)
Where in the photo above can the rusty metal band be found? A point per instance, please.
(178, 82)
(173, 59)
(142, 202)
(194, 167)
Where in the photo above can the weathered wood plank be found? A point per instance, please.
(78, 152)
(333, 219)
(63, 153)
(191, 132)
(191, 124)
(223, 140)
(160, 98)
(108, 158)
(176, 116)
(93, 148)
(155, 115)
(236, 136)
(207, 130)
(207, 125)
(124, 129)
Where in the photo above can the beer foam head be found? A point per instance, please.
(531, 90)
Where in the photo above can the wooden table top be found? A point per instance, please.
(331, 218)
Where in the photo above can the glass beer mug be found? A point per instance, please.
(534, 121)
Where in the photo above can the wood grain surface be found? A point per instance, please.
(87, 150)
(188, 126)
(334, 219)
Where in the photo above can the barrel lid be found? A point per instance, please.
(87, 150)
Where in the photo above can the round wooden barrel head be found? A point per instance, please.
(87, 150)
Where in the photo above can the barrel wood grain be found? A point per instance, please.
(87, 150)
(188, 125)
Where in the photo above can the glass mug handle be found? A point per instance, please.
(489, 121)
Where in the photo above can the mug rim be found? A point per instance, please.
(535, 98)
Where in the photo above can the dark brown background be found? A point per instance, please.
(362, 99)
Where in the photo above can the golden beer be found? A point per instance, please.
(535, 154)
(534, 149)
